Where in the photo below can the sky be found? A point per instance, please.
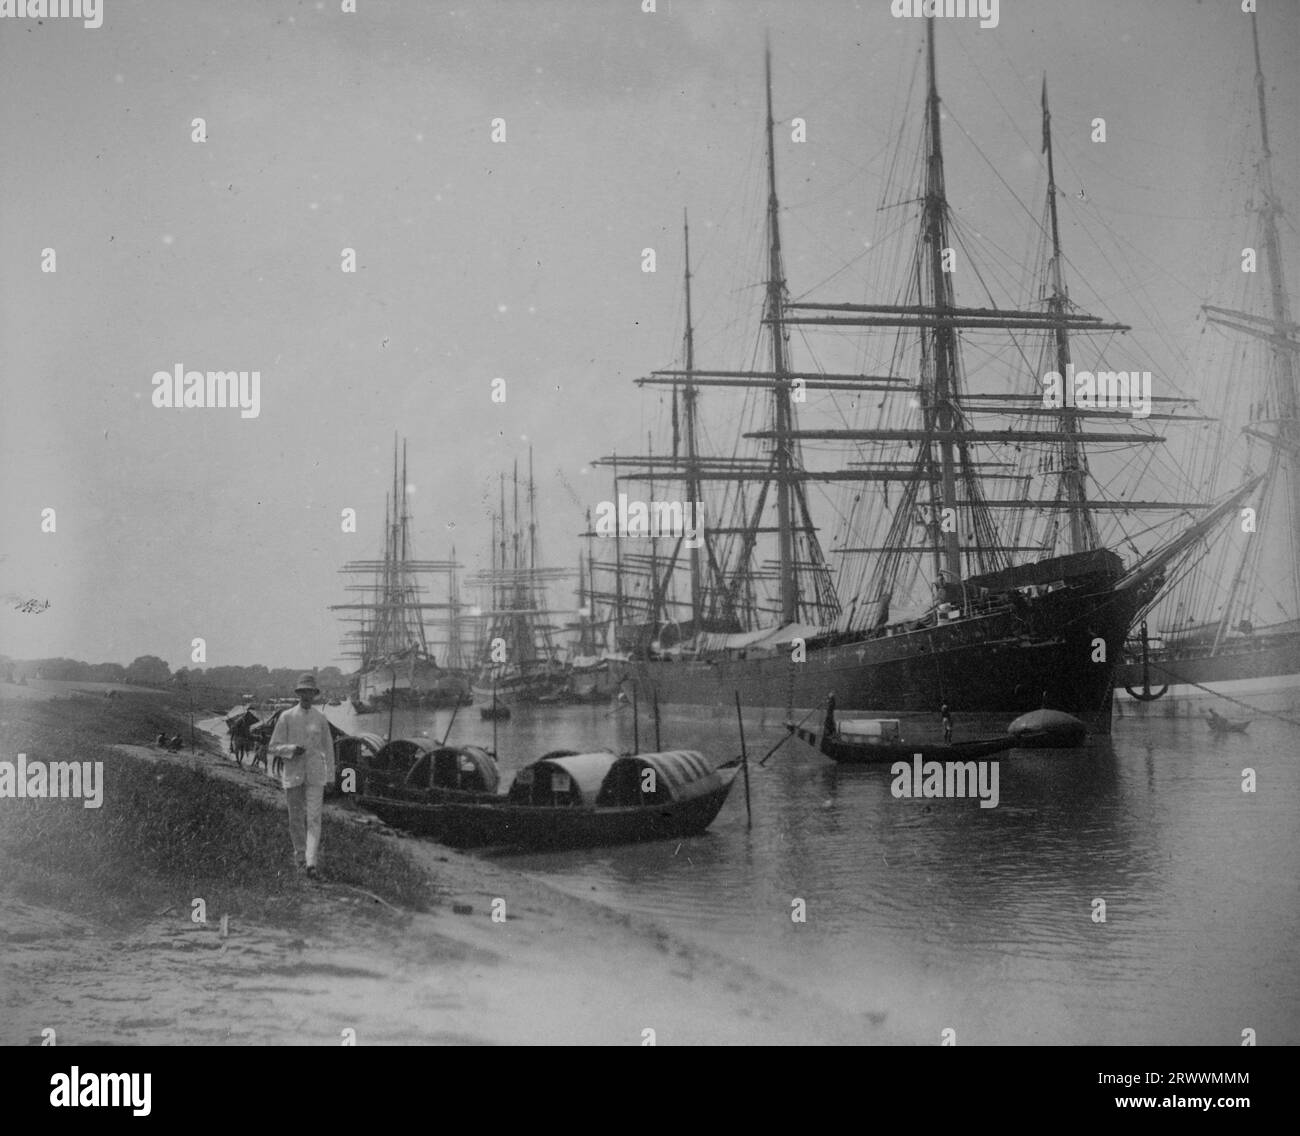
(478, 259)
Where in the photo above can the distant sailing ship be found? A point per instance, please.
(518, 654)
(396, 661)
(936, 600)
(597, 669)
(1232, 627)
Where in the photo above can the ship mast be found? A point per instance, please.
(692, 454)
(1279, 334)
(941, 336)
(781, 386)
(1074, 474)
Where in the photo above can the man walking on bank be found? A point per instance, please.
(302, 739)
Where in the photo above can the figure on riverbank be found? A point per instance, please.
(302, 740)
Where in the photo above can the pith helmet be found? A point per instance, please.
(306, 681)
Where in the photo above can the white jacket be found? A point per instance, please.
(310, 729)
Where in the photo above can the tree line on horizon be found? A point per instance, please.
(150, 670)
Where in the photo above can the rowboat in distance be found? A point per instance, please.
(570, 800)
(867, 741)
(1221, 725)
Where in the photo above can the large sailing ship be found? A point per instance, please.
(519, 656)
(973, 568)
(396, 661)
(1231, 628)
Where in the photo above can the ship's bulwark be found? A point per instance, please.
(989, 667)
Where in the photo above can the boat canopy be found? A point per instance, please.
(352, 748)
(438, 767)
(571, 779)
(653, 778)
(869, 729)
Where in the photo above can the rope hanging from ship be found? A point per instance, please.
(1182, 680)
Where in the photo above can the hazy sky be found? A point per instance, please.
(479, 260)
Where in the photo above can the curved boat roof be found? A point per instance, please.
(587, 770)
(372, 742)
(676, 768)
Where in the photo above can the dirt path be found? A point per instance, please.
(558, 970)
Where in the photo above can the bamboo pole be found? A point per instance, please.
(744, 763)
(636, 733)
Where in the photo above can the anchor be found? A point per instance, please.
(1146, 694)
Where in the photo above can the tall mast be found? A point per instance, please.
(1286, 442)
(618, 556)
(454, 659)
(942, 352)
(532, 518)
(781, 387)
(1283, 361)
(654, 546)
(693, 493)
(1074, 475)
(502, 595)
(519, 653)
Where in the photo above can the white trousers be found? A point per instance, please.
(304, 821)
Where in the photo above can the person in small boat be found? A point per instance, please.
(828, 726)
(947, 723)
(302, 740)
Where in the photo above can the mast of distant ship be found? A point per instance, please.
(693, 489)
(781, 385)
(1280, 334)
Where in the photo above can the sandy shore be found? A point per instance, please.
(558, 970)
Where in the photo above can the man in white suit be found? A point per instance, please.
(302, 739)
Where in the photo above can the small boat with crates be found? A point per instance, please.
(867, 741)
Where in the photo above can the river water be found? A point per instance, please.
(942, 915)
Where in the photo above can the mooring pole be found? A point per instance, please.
(636, 733)
(744, 763)
(392, 704)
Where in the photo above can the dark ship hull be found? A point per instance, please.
(1012, 657)
(1263, 668)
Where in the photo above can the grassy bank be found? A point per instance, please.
(167, 832)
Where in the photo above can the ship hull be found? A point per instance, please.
(516, 689)
(1263, 672)
(990, 666)
(422, 684)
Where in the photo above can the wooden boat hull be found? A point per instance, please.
(874, 753)
(499, 823)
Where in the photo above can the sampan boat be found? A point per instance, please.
(866, 741)
(575, 800)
